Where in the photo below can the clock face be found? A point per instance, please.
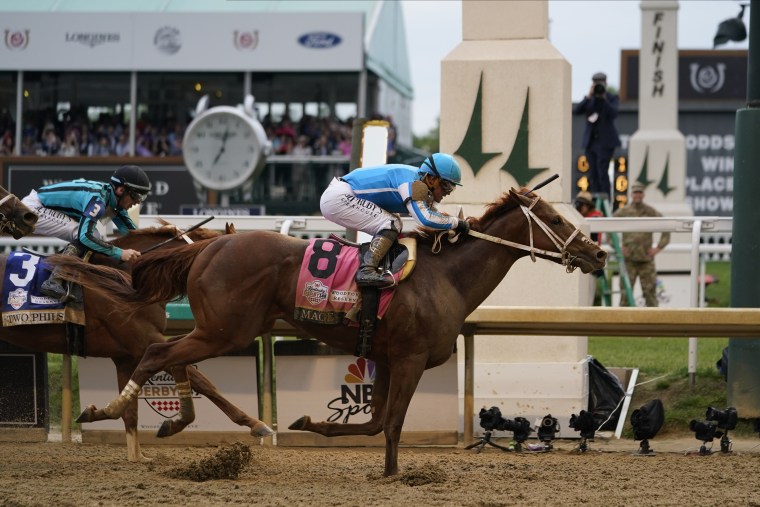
(222, 148)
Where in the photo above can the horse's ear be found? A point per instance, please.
(229, 228)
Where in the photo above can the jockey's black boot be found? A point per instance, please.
(53, 286)
(368, 274)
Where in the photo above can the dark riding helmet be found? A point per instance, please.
(135, 179)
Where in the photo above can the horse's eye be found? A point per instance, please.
(556, 220)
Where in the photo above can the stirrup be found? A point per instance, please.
(373, 279)
(64, 295)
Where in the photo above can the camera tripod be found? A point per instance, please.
(486, 439)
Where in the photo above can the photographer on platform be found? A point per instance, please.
(600, 137)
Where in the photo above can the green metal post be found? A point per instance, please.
(743, 389)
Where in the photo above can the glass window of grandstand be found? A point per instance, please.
(167, 102)
(8, 82)
(75, 113)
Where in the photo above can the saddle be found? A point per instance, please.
(401, 258)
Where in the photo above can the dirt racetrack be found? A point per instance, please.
(55, 474)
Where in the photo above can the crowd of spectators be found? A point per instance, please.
(76, 136)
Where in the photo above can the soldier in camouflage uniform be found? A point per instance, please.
(638, 250)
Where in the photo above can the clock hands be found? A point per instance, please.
(224, 142)
(226, 135)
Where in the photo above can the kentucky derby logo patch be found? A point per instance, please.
(315, 292)
(17, 298)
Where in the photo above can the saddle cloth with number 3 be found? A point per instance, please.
(23, 304)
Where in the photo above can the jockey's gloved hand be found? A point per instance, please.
(463, 227)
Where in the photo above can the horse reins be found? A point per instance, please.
(561, 253)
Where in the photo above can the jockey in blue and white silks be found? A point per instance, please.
(72, 210)
(371, 199)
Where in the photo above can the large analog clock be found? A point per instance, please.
(224, 146)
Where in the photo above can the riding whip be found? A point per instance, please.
(178, 235)
(543, 183)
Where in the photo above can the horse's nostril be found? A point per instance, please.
(31, 218)
(601, 255)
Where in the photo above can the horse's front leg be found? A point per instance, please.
(186, 407)
(371, 427)
(203, 385)
(404, 377)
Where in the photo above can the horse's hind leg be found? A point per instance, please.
(186, 406)
(123, 371)
(371, 427)
(194, 347)
(203, 385)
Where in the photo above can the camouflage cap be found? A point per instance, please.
(637, 187)
(584, 198)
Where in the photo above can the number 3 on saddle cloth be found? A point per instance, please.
(24, 304)
(327, 292)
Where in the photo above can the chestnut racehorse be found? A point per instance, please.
(123, 338)
(16, 218)
(238, 285)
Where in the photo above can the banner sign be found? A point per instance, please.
(702, 75)
(162, 41)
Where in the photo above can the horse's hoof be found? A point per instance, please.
(261, 430)
(87, 415)
(300, 423)
(165, 430)
(139, 459)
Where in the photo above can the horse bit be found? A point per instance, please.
(565, 258)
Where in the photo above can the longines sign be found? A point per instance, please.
(189, 41)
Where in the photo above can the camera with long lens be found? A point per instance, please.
(704, 430)
(599, 90)
(583, 423)
(492, 419)
(548, 428)
(725, 419)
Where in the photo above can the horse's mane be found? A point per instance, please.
(494, 210)
(166, 229)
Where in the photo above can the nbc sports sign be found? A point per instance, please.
(330, 386)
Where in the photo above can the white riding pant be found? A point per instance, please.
(51, 222)
(339, 204)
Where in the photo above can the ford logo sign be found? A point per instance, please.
(319, 40)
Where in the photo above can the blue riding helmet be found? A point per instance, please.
(442, 166)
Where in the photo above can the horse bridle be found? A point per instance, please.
(6, 224)
(562, 254)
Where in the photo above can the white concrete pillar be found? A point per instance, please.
(657, 152)
(505, 113)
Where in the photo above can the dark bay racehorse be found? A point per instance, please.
(16, 218)
(238, 285)
(123, 337)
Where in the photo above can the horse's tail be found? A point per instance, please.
(106, 282)
(160, 276)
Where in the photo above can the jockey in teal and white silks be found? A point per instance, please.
(72, 210)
